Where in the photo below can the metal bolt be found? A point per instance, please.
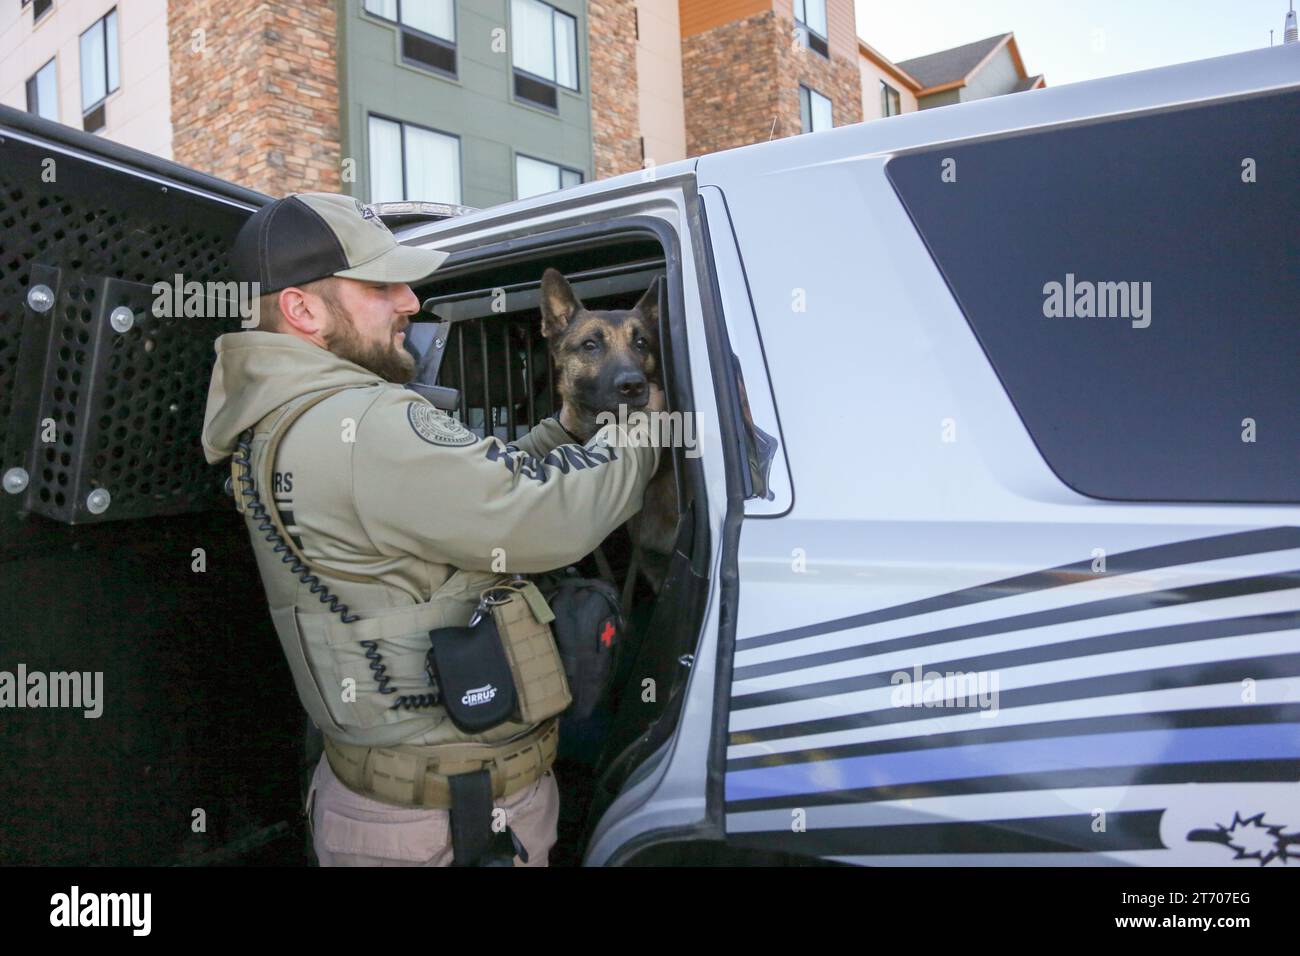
(40, 298)
(437, 343)
(686, 660)
(15, 480)
(97, 501)
(121, 319)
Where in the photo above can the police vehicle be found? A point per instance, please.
(988, 549)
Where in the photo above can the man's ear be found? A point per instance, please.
(300, 313)
(559, 304)
(648, 306)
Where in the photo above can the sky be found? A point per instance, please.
(1073, 41)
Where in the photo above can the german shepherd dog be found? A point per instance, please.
(604, 359)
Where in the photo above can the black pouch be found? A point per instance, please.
(588, 626)
(473, 674)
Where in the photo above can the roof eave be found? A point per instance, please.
(1008, 38)
(942, 88)
(1015, 56)
(889, 66)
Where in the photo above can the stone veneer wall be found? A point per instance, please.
(741, 83)
(615, 107)
(259, 105)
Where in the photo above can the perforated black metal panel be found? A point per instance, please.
(121, 410)
(83, 406)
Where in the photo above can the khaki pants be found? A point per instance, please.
(349, 829)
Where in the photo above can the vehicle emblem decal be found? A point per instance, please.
(1252, 838)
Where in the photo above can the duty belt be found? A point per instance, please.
(417, 776)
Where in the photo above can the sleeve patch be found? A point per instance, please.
(436, 427)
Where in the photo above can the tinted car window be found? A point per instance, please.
(1136, 285)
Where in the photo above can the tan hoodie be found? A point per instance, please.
(258, 372)
(387, 497)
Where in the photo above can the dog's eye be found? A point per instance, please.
(642, 343)
(590, 345)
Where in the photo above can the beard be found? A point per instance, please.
(390, 362)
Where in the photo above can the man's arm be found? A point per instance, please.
(424, 485)
(544, 436)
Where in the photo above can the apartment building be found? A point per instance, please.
(473, 102)
(761, 69)
(101, 67)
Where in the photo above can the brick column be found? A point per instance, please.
(839, 78)
(615, 108)
(730, 84)
(257, 102)
(741, 79)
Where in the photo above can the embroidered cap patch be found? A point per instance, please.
(437, 428)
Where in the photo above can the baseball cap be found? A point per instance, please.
(308, 236)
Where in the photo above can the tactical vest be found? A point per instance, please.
(364, 683)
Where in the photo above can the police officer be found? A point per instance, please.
(376, 517)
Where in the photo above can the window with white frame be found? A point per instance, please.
(427, 27)
(43, 92)
(536, 176)
(810, 20)
(99, 70)
(412, 162)
(543, 51)
(814, 110)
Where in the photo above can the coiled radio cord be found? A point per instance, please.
(258, 510)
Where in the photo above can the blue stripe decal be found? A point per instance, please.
(1189, 745)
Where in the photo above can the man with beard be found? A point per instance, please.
(376, 518)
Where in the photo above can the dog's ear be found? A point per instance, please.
(559, 304)
(648, 306)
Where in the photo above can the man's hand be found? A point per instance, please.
(656, 402)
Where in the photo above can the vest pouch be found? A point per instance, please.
(473, 675)
(285, 621)
(522, 619)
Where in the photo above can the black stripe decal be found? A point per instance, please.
(1228, 771)
(1038, 654)
(1212, 591)
(1167, 678)
(286, 516)
(1113, 723)
(1132, 830)
(1127, 562)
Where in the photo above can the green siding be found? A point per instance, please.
(478, 105)
(997, 78)
(946, 98)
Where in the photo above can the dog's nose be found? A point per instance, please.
(630, 384)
